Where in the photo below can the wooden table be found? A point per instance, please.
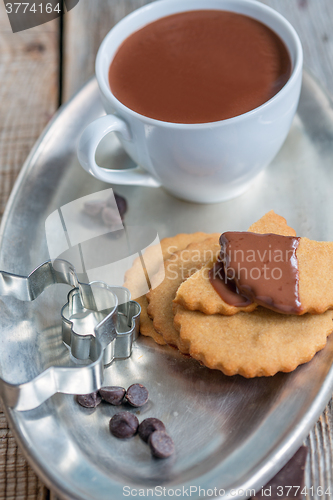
(43, 67)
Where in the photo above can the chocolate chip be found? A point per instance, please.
(161, 444)
(124, 425)
(110, 216)
(148, 426)
(93, 208)
(121, 204)
(113, 394)
(137, 395)
(89, 400)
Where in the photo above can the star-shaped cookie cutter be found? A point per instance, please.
(99, 324)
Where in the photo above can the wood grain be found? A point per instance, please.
(319, 470)
(28, 93)
(17, 479)
(29, 68)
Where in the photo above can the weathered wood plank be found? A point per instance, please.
(313, 21)
(85, 27)
(17, 480)
(319, 470)
(28, 93)
(28, 98)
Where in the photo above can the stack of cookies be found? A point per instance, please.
(183, 309)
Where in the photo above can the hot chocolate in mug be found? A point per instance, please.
(199, 162)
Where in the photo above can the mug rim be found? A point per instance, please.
(106, 90)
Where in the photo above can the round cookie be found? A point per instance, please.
(260, 343)
(175, 270)
(146, 325)
(178, 271)
(136, 282)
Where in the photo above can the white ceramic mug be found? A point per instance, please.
(204, 162)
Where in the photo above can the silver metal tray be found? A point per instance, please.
(230, 433)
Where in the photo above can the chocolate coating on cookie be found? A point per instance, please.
(262, 268)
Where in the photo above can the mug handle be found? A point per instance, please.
(87, 147)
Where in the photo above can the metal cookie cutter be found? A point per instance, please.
(99, 323)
